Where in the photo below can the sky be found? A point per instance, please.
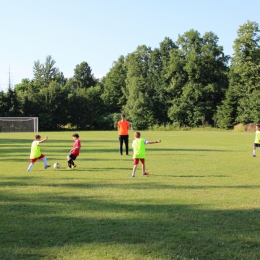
(100, 31)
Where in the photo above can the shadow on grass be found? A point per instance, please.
(190, 176)
(32, 224)
(186, 150)
(142, 185)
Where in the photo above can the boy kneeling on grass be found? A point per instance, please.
(139, 152)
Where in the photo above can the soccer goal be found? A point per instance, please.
(19, 124)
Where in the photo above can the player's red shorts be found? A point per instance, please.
(136, 161)
(35, 159)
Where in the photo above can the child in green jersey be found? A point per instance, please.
(36, 152)
(257, 139)
(139, 152)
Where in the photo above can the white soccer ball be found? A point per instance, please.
(56, 165)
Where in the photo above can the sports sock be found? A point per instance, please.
(44, 161)
(69, 163)
(254, 152)
(30, 167)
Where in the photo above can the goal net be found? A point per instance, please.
(19, 124)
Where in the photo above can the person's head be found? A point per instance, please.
(75, 135)
(123, 117)
(37, 137)
(137, 135)
(257, 127)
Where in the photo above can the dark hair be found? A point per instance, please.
(258, 125)
(137, 134)
(37, 136)
(75, 135)
(123, 115)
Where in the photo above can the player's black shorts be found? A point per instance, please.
(72, 156)
(256, 145)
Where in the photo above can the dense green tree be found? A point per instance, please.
(199, 78)
(249, 108)
(244, 79)
(45, 73)
(3, 104)
(114, 87)
(85, 107)
(83, 76)
(159, 80)
(9, 103)
(23, 86)
(139, 92)
(54, 106)
(96, 106)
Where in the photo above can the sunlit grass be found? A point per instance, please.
(200, 201)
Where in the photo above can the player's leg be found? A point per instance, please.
(121, 144)
(254, 150)
(136, 161)
(46, 166)
(69, 160)
(126, 144)
(31, 164)
(73, 165)
(143, 166)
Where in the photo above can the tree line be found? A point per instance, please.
(190, 82)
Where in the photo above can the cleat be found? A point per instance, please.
(254, 155)
(74, 166)
(47, 166)
(133, 175)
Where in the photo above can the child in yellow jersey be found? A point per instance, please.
(36, 152)
(139, 151)
(257, 139)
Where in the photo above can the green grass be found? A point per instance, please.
(200, 201)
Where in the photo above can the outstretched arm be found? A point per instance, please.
(43, 140)
(153, 142)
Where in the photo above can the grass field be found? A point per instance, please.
(200, 201)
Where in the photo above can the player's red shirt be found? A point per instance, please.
(76, 144)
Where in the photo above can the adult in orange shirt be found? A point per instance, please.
(123, 126)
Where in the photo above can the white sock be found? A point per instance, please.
(254, 152)
(44, 161)
(30, 167)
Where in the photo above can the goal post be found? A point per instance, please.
(19, 124)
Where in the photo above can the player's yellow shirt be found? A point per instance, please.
(35, 150)
(139, 148)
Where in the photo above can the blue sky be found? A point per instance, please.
(99, 31)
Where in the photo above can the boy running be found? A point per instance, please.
(74, 152)
(36, 152)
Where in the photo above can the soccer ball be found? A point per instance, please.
(56, 165)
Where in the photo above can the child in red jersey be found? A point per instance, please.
(74, 152)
